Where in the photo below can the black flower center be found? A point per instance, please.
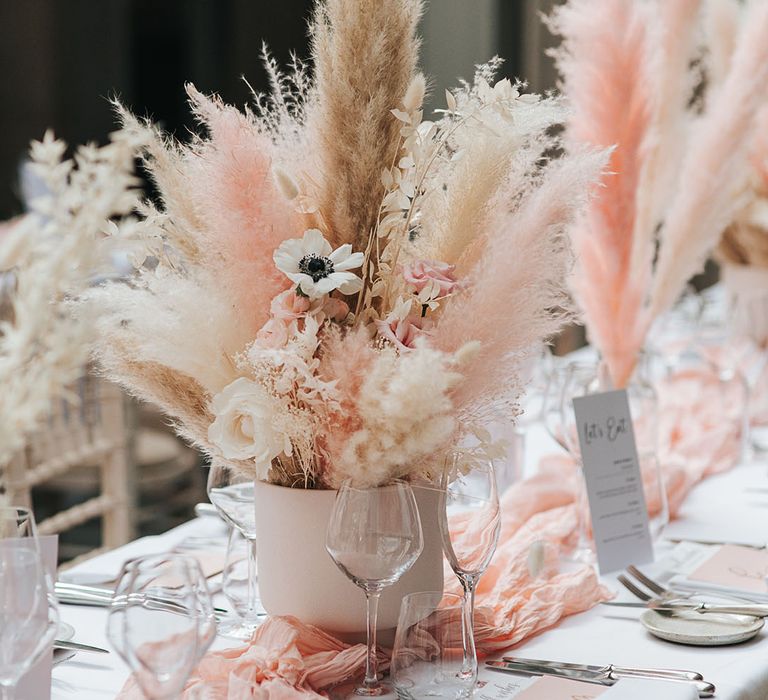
(316, 266)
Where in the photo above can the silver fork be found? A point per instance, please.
(668, 594)
(633, 589)
(659, 591)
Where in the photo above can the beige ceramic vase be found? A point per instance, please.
(298, 577)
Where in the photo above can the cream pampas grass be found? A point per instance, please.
(494, 163)
(365, 55)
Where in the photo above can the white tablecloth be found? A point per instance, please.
(732, 506)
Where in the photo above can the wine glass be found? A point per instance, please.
(161, 621)
(470, 522)
(434, 655)
(232, 494)
(29, 615)
(374, 536)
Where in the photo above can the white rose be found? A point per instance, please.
(243, 427)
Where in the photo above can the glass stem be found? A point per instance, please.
(253, 584)
(7, 692)
(519, 455)
(468, 583)
(371, 681)
(582, 509)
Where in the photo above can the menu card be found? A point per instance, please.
(614, 482)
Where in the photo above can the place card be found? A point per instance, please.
(614, 482)
(554, 688)
(497, 685)
(736, 567)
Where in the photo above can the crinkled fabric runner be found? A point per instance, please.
(522, 592)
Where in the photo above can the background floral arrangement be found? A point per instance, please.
(745, 241)
(52, 255)
(333, 287)
(680, 169)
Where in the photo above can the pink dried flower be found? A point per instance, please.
(336, 309)
(403, 332)
(273, 334)
(422, 273)
(288, 305)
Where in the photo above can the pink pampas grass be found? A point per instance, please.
(715, 172)
(671, 48)
(516, 284)
(602, 62)
(245, 218)
(676, 179)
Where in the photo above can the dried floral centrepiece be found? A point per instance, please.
(333, 287)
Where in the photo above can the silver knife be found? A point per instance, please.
(601, 677)
(750, 545)
(64, 644)
(625, 670)
(75, 594)
(755, 610)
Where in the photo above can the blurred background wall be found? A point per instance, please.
(62, 59)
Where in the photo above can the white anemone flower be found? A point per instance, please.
(316, 268)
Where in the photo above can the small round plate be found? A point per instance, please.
(706, 630)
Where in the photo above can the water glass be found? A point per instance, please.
(582, 379)
(470, 522)
(434, 654)
(374, 536)
(233, 495)
(29, 614)
(161, 621)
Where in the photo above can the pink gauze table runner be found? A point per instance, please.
(699, 436)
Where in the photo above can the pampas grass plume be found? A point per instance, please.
(351, 122)
(715, 172)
